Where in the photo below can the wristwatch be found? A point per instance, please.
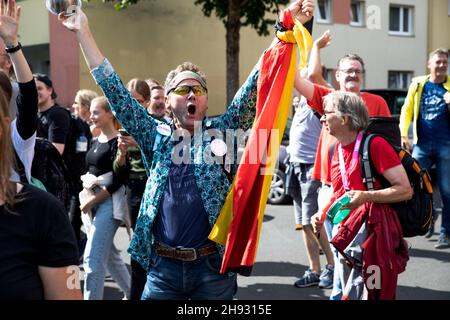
(14, 49)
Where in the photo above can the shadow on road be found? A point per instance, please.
(267, 291)
(277, 291)
(443, 256)
(278, 269)
(418, 293)
(112, 293)
(267, 218)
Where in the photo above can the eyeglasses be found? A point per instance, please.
(184, 90)
(351, 71)
(326, 113)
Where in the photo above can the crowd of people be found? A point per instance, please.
(115, 154)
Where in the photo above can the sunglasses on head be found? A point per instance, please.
(198, 90)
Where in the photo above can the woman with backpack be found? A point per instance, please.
(103, 206)
(367, 233)
(38, 251)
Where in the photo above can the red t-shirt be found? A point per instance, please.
(376, 107)
(383, 157)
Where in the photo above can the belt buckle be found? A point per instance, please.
(182, 249)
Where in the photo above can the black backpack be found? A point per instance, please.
(49, 168)
(387, 127)
(415, 215)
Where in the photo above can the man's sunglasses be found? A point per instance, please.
(184, 90)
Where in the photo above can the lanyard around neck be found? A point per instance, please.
(344, 174)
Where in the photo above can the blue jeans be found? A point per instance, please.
(171, 279)
(100, 253)
(324, 195)
(336, 292)
(437, 152)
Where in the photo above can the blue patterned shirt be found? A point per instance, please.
(211, 179)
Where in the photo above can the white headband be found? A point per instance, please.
(184, 75)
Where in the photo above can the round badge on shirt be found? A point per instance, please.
(164, 130)
(218, 147)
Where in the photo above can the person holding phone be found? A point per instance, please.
(103, 206)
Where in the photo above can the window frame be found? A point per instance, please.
(402, 9)
(328, 11)
(400, 78)
(362, 9)
(329, 75)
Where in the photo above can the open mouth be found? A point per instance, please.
(191, 109)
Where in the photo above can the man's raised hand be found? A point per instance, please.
(302, 10)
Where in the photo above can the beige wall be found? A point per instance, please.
(439, 24)
(34, 23)
(381, 52)
(153, 37)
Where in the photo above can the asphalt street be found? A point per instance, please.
(281, 259)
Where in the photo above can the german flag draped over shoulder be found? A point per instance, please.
(239, 223)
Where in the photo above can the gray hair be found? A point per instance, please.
(353, 57)
(351, 105)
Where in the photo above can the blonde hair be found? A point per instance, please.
(104, 104)
(438, 51)
(7, 189)
(86, 96)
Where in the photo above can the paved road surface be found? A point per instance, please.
(281, 259)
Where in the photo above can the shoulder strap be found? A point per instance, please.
(20, 168)
(317, 114)
(366, 169)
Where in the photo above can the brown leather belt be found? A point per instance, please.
(183, 254)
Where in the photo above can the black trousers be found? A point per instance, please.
(136, 188)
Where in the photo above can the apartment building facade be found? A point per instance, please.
(391, 37)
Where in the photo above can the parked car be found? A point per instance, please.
(277, 192)
(394, 98)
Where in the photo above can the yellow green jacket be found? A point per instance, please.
(412, 104)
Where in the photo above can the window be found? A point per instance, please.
(399, 79)
(357, 9)
(329, 75)
(400, 20)
(323, 11)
